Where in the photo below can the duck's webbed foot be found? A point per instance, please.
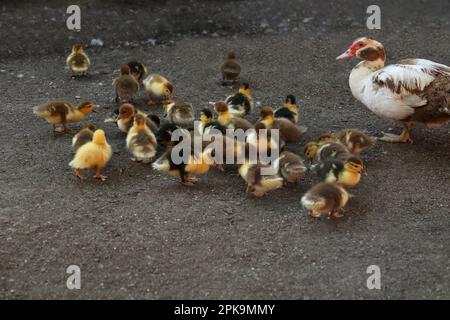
(404, 137)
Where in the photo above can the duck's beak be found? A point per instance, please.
(347, 55)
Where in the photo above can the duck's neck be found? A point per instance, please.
(361, 72)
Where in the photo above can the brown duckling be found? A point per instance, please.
(126, 118)
(138, 70)
(257, 182)
(292, 167)
(261, 138)
(83, 136)
(92, 155)
(226, 119)
(158, 88)
(288, 110)
(180, 113)
(78, 61)
(230, 68)
(141, 141)
(345, 172)
(326, 198)
(289, 132)
(355, 140)
(62, 112)
(126, 86)
(326, 150)
(241, 103)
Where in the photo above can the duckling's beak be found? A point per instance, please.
(95, 108)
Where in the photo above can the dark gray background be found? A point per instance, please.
(141, 234)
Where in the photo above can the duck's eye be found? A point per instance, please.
(361, 44)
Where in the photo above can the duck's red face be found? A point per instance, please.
(353, 49)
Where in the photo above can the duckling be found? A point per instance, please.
(327, 150)
(326, 198)
(126, 86)
(83, 136)
(355, 140)
(263, 141)
(180, 113)
(62, 112)
(78, 61)
(141, 141)
(126, 118)
(207, 123)
(186, 171)
(241, 103)
(289, 132)
(92, 155)
(164, 134)
(232, 149)
(158, 88)
(288, 110)
(230, 68)
(226, 119)
(257, 183)
(138, 70)
(292, 167)
(345, 172)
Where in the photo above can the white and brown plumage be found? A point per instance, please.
(126, 85)
(325, 198)
(138, 70)
(141, 141)
(62, 112)
(230, 68)
(158, 88)
(78, 61)
(259, 182)
(92, 155)
(288, 131)
(411, 91)
(241, 103)
(355, 140)
(180, 113)
(292, 167)
(288, 110)
(126, 118)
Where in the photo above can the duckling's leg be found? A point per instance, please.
(336, 214)
(98, 175)
(78, 174)
(66, 128)
(314, 214)
(404, 137)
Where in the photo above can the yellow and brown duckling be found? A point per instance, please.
(327, 149)
(125, 86)
(158, 88)
(355, 140)
(83, 136)
(126, 118)
(325, 198)
(207, 122)
(344, 172)
(258, 182)
(230, 69)
(138, 70)
(180, 113)
(187, 171)
(292, 167)
(289, 110)
(141, 142)
(289, 132)
(227, 120)
(241, 103)
(61, 112)
(78, 61)
(92, 155)
(261, 139)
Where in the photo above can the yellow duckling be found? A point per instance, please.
(346, 173)
(92, 155)
(180, 114)
(62, 112)
(258, 183)
(126, 86)
(78, 61)
(83, 136)
(288, 110)
(241, 103)
(227, 120)
(141, 141)
(158, 88)
(326, 198)
(138, 70)
(289, 132)
(292, 167)
(230, 68)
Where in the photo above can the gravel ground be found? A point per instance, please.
(143, 235)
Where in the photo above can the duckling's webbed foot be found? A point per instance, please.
(99, 176)
(336, 215)
(189, 180)
(314, 214)
(79, 176)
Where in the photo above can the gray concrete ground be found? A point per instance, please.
(141, 234)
